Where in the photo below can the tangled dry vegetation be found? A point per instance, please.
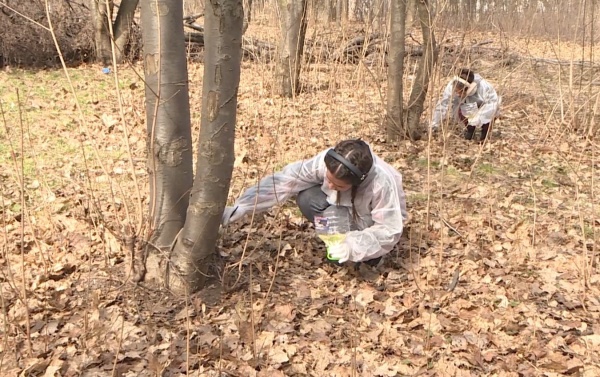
(27, 42)
(496, 276)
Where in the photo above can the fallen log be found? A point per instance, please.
(197, 38)
(256, 49)
(583, 63)
(195, 26)
(252, 48)
(192, 18)
(357, 48)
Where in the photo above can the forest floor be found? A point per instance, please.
(497, 274)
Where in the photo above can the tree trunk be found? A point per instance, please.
(101, 16)
(380, 15)
(353, 14)
(122, 27)
(214, 163)
(411, 16)
(102, 19)
(331, 8)
(247, 15)
(344, 8)
(248, 10)
(471, 10)
(453, 7)
(293, 31)
(421, 83)
(167, 119)
(394, 122)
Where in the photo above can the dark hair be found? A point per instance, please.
(356, 152)
(466, 74)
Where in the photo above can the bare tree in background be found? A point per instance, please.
(342, 10)
(394, 119)
(102, 16)
(331, 10)
(330, 6)
(378, 13)
(186, 212)
(167, 119)
(411, 10)
(403, 122)
(247, 15)
(293, 30)
(424, 71)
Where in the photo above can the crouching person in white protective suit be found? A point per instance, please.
(468, 99)
(350, 176)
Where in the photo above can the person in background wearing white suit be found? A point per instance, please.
(349, 175)
(468, 99)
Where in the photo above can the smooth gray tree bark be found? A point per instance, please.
(186, 212)
(331, 8)
(102, 18)
(167, 119)
(214, 162)
(411, 16)
(247, 15)
(122, 27)
(394, 120)
(424, 71)
(101, 13)
(342, 11)
(293, 30)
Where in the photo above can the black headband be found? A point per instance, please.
(359, 175)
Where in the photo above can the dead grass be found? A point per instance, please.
(516, 219)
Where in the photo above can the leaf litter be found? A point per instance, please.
(493, 277)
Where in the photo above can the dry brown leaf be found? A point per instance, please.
(364, 297)
(527, 295)
(285, 313)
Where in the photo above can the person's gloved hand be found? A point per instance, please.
(232, 214)
(475, 120)
(339, 252)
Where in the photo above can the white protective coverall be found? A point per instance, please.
(485, 97)
(380, 202)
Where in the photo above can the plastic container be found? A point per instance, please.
(332, 225)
